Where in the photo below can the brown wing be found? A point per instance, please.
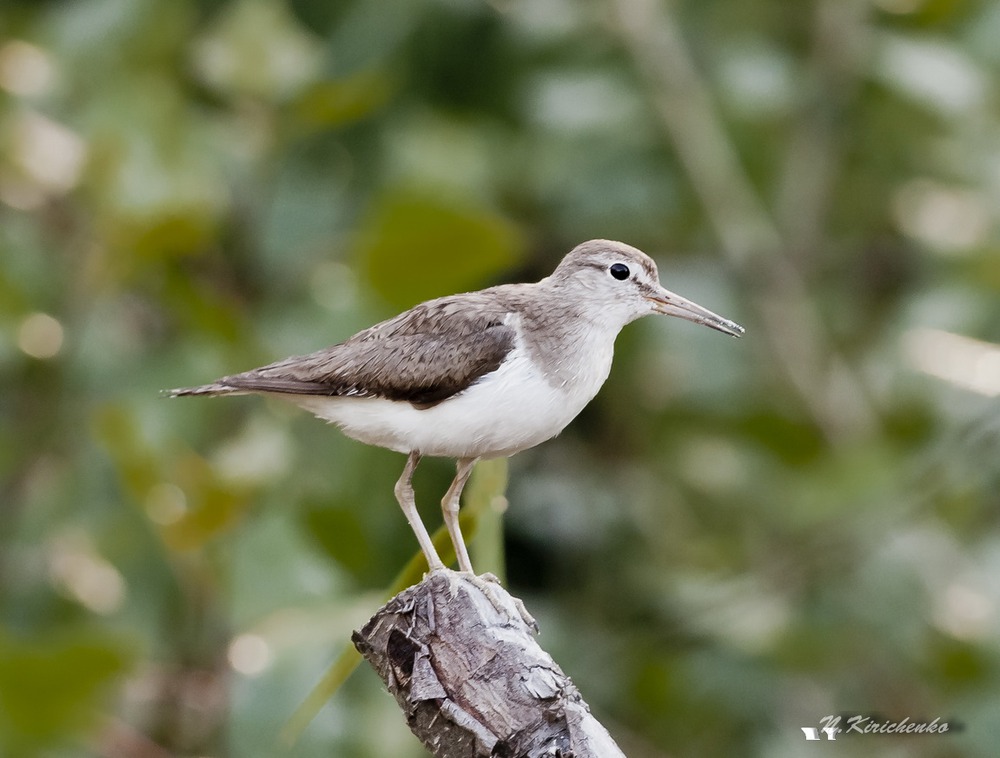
(422, 356)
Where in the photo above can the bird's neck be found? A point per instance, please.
(573, 344)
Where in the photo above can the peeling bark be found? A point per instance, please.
(458, 653)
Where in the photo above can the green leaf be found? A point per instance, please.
(50, 688)
(414, 247)
(337, 102)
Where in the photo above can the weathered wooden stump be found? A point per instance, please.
(459, 655)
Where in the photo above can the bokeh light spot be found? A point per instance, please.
(40, 336)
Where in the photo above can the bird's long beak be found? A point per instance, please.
(667, 303)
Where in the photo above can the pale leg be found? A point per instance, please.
(450, 506)
(404, 494)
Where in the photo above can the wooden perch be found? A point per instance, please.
(458, 654)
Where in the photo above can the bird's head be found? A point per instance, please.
(623, 281)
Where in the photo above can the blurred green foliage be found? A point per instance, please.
(732, 542)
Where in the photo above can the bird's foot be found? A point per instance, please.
(491, 587)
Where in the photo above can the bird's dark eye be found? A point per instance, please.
(619, 271)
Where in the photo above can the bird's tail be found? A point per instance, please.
(207, 390)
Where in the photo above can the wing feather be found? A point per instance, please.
(423, 356)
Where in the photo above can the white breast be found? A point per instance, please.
(514, 408)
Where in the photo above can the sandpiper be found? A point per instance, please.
(478, 375)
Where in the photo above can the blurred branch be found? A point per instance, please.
(840, 43)
(485, 498)
(487, 487)
(834, 395)
(457, 653)
(348, 660)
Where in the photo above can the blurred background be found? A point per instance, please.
(736, 539)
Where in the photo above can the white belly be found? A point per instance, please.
(514, 408)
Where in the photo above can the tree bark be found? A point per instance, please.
(458, 654)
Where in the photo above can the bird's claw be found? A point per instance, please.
(491, 587)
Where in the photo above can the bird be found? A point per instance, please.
(482, 374)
